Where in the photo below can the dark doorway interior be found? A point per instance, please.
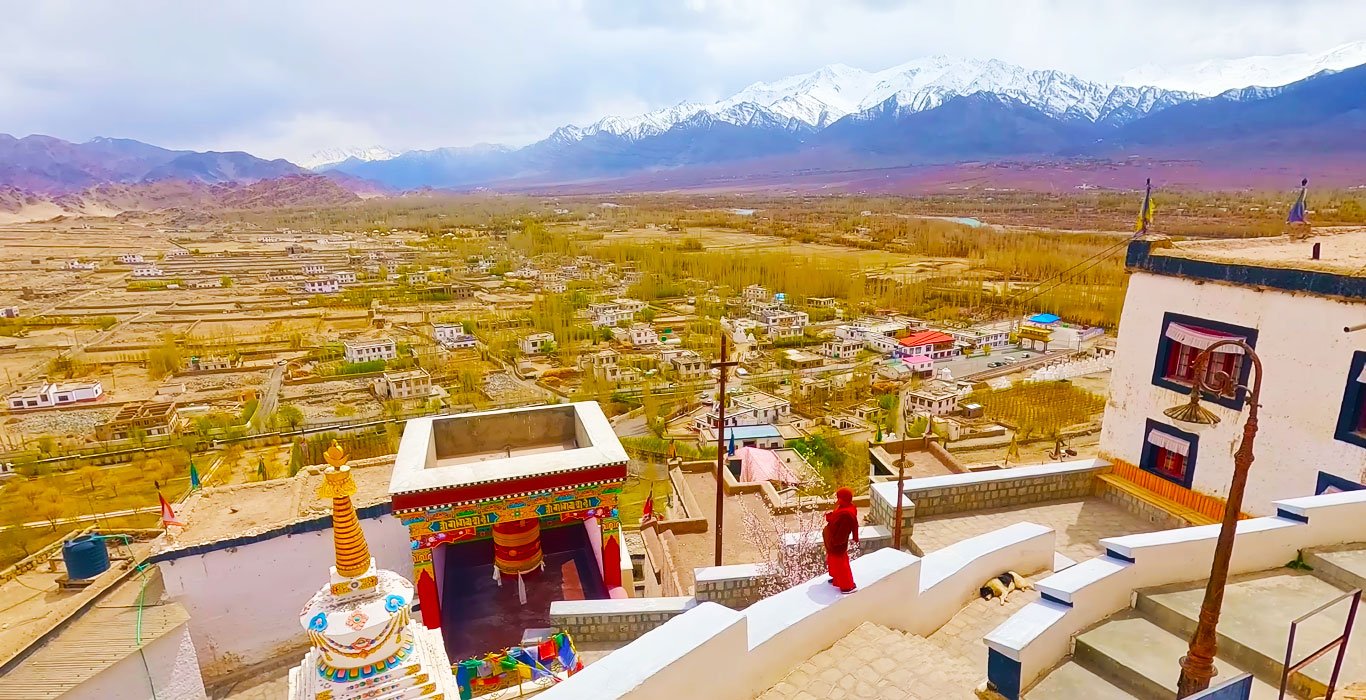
(479, 616)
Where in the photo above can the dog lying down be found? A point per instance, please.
(1002, 586)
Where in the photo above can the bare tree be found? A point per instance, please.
(791, 550)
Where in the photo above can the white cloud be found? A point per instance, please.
(285, 79)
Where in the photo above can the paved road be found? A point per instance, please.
(270, 398)
(87, 518)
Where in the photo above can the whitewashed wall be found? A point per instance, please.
(244, 601)
(1306, 356)
(681, 658)
(174, 674)
(1038, 636)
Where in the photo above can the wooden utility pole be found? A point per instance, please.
(723, 365)
(901, 479)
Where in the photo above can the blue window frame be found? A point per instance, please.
(1169, 453)
(1352, 416)
(1175, 362)
(1332, 483)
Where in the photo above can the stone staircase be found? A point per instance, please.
(874, 661)
(1135, 653)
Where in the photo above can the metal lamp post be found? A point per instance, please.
(1197, 666)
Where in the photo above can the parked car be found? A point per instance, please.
(996, 364)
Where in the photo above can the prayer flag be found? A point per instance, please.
(194, 477)
(649, 509)
(1145, 214)
(731, 451)
(1298, 210)
(167, 515)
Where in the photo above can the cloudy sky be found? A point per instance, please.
(284, 79)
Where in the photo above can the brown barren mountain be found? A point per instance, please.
(175, 197)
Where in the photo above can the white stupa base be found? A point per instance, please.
(424, 675)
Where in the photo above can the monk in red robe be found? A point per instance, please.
(840, 524)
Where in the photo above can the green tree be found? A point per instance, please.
(290, 415)
(225, 281)
(296, 457)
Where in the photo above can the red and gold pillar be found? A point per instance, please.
(517, 546)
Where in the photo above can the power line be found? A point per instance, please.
(1098, 260)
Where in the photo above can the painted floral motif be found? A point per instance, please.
(318, 623)
(393, 603)
(357, 619)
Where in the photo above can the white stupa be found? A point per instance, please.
(365, 642)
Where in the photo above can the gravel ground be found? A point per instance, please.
(218, 382)
(63, 422)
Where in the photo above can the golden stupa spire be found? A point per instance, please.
(353, 555)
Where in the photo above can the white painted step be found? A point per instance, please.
(1071, 681)
(1254, 624)
(1143, 659)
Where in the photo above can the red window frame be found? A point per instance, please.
(1181, 364)
(1169, 464)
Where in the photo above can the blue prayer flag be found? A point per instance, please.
(1298, 210)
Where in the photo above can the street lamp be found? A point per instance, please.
(1197, 666)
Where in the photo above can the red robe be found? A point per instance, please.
(840, 524)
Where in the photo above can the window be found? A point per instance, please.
(1169, 453)
(1352, 416)
(1184, 338)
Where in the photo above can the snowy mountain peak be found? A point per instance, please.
(1218, 76)
(332, 156)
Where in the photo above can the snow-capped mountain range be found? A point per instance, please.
(1215, 77)
(332, 156)
(812, 101)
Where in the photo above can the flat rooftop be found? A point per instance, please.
(114, 629)
(1080, 524)
(218, 513)
(444, 452)
(1342, 251)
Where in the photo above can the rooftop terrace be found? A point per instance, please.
(1341, 251)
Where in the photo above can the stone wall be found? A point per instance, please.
(619, 620)
(1007, 487)
(738, 586)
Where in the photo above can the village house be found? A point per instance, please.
(796, 359)
(608, 314)
(207, 283)
(1183, 298)
(131, 259)
(935, 397)
(687, 364)
(602, 364)
(764, 437)
(412, 384)
(197, 363)
(820, 302)
(345, 277)
(78, 265)
(936, 345)
(323, 285)
(841, 348)
(49, 394)
(749, 408)
(779, 323)
(9, 312)
(313, 269)
(643, 335)
(452, 336)
(755, 293)
(148, 271)
(979, 338)
(147, 418)
(369, 350)
(535, 343)
(417, 278)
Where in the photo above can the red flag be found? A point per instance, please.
(649, 511)
(167, 515)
